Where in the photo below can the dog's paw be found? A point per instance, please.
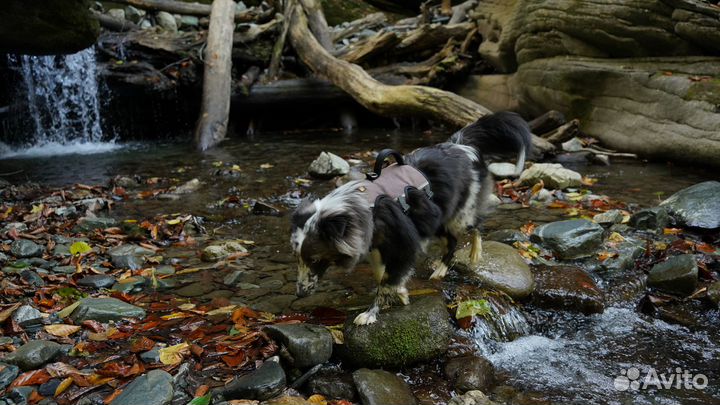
(403, 295)
(365, 318)
(440, 271)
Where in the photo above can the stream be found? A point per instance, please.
(562, 357)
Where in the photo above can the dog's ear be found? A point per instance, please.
(334, 227)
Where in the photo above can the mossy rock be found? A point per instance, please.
(42, 27)
(401, 336)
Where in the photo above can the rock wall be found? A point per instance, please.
(642, 75)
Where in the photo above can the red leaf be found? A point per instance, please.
(234, 360)
(141, 344)
(35, 377)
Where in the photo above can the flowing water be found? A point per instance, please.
(62, 100)
(563, 357)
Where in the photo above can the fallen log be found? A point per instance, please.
(317, 23)
(353, 27)
(377, 97)
(292, 92)
(547, 122)
(196, 9)
(563, 133)
(217, 78)
(375, 45)
(113, 24)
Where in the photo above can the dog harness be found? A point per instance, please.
(393, 181)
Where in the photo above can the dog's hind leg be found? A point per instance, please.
(440, 267)
(475, 247)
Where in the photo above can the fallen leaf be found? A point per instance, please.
(616, 238)
(234, 360)
(35, 377)
(7, 313)
(79, 248)
(172, 355)
(64, 385)
(61, 330)
(68, 310)
(317, 399)
(472, 308)
(201, 400)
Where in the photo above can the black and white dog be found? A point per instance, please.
(344, 227)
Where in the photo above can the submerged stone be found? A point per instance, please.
(567, 288)
(129, 256)
(221, 250)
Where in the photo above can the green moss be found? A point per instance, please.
(339, 11)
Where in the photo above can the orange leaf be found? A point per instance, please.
(61, 330)
(35, 377)
(111, 397)
(672, 231)
(705, 248)
(141, 344)
(234, 361)
(201, 391)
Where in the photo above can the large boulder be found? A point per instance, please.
(153, 388)
(44, 27)
(697, 206)
(402, 335)
(501, 268)
(570, 239)
(307, 344)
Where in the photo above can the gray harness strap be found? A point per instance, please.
(393, 182)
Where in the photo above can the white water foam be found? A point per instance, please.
(58, 149)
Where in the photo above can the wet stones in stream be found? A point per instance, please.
(379, 387)
(651, 219)
(333, 383)
(328, 165)
(402, 335)
(567, 288)
(469, 373)
(221, 250)
(88, 224)
(105, 310)
(265, 382)
(129, 256)
(306, 344)
(553, 175)
(697, 206)
(97, 281)
(8, 373)
(475, 397)
(27, 317)
(23, 248)
(153, 388)
(501, 267)
(570, 239)
(677, 275)
(34, 354)
(713, 293)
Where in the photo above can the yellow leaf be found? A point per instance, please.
(68, 310)
(79, 248)
(130, 221)
(174, 354)
(36, 209)
(236, 168)
(61, 330)
(266, 166)
(218, 163)
(317, 399)
(173, 221)
(616, 237)
(337, 336)
(227, 310)
(186, 307)
(65, 384)
(176, 315)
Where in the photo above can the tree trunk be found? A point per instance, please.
(179, 7)
(217, 79)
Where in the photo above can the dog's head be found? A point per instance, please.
(333, 231)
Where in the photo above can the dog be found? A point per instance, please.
(344, 227)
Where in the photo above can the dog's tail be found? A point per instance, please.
(498, 133)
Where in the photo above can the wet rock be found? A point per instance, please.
(189, 21)
(319, 299)
(48, 388)
(553, 175)
(105, 310)
(501, 267)
(151, 356)
(67, 212)
(42, 263)
(129, 256)
(567, 288)
(334, 384)
(20, 395)
(713, 293)
(17, 226)
(32, 278)
(64, 269)
(189, 186)
(573, 145)
(471, 398)
(676, 275)
(130, 284)
(571, 239)
(505, 320)
(117, 13)
(263, 383)
(23, 248)
(166, 21)
(651, 219)
(328, 165)
(153, 388)
(470, 373)
(221, 250)
(623, 255)
(275, 304)
(307, 344)
(379, 387)
(8, 373)
(262, 208)
(401, 336)
(97, 281)
(88, 224)
(3, 258)
(27, 317)
(502, 170)
(34, 354)
(609, 217)
(233, 278)
(697, 206)
(134, 15)
(195, 289)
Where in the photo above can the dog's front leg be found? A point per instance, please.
(391, 288)
(378, 268)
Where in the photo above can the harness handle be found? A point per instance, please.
(382, 155)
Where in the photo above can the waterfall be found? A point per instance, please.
(62, 104)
